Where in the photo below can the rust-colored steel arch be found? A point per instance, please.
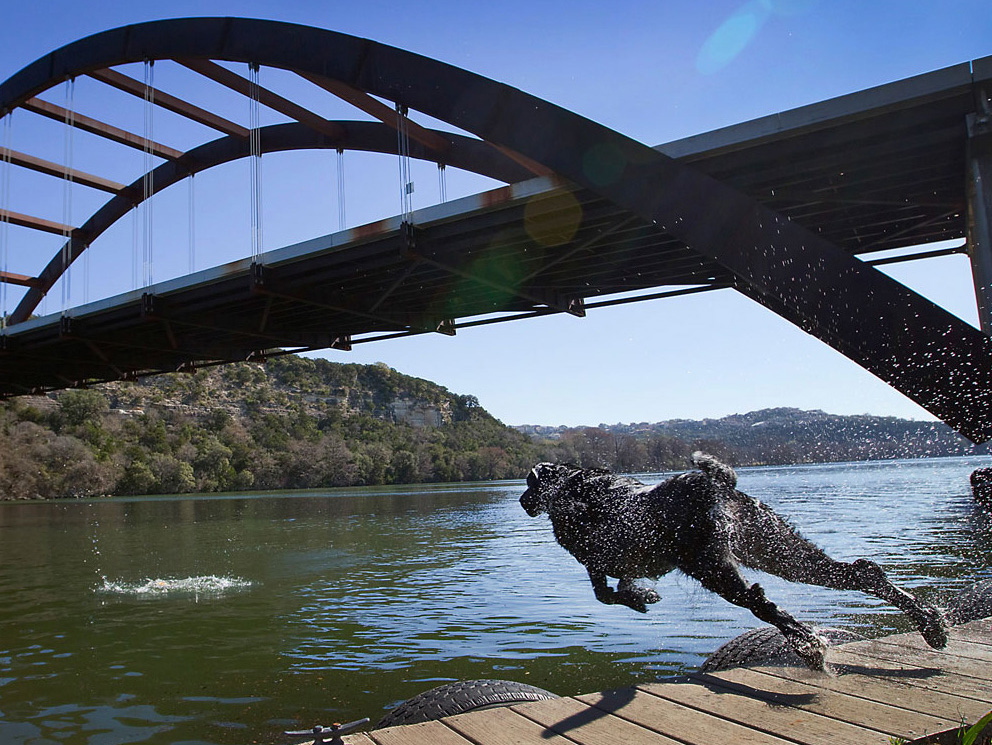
(928, 354)
(462, 152)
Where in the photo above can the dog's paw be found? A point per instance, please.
(933, 627)
(635, 604)
(607, 596)
(810, 648)
(637, 598)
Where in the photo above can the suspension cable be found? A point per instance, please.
(67, 159)
(5, 172)
(255, 144)
(342, 223)
(403, 150)
(148, 185)
(442, 182)
(135, 242)
(191, 211)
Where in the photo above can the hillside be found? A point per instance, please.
(292, 423)
(297, 423)
(765, 437)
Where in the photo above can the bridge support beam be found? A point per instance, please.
(927, 353)
(979, 180)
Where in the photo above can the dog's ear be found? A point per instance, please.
(547, 472)
(534, 477)
(714, 468)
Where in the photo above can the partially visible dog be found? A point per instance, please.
(700, 523)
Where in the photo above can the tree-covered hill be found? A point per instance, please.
(297, 423)
(765, 437)
(292, 423)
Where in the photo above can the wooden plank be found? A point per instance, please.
(974, 635)
(788, 721)
(929, 677)
(957, 646)
(588, 725)
(896, 691)
(675, 720)
(361, 739)
(502, 726)
(924, 656)
(980, 624)
(883, 717)
(893, 686)
(423, 733)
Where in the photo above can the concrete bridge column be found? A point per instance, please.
(979, 177)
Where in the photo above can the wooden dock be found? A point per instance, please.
(894, 687)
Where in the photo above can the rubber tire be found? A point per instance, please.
(460, 697)
(971, 603)
(767, 645)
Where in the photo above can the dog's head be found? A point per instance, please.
(543, 482)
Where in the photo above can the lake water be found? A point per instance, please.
(227, 619)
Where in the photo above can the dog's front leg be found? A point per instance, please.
(719, 574)
(634, 596)
(604, 593)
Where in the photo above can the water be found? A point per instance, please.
(227, 619)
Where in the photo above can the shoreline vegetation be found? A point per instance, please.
(300, 423)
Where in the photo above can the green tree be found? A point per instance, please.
(81, 405)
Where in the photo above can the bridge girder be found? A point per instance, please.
(462, 152)
(928, 354)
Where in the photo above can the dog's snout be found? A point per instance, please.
(530, 500)
(531, 503)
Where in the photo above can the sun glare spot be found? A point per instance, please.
(735, 34)
(731, 37)
(552, 219)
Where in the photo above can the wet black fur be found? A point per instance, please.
(699, 523)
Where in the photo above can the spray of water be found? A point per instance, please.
(209, 585)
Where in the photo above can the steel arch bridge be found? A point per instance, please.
(757, 209)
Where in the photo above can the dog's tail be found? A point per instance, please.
(715, 469)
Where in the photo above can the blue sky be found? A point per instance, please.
(655, 71)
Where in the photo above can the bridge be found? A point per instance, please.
(792, 210)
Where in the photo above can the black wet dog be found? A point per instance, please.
(700, 523)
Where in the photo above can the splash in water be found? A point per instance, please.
(207, 585)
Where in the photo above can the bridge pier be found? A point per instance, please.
(979, 193)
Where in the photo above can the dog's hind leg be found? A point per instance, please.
(867, 576)
(720, 574)
(928, 619)
(764, 541)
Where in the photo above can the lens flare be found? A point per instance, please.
(552, 219)
(732, 37)
(735, 34)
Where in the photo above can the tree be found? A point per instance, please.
(81, 405)
(172, 476)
